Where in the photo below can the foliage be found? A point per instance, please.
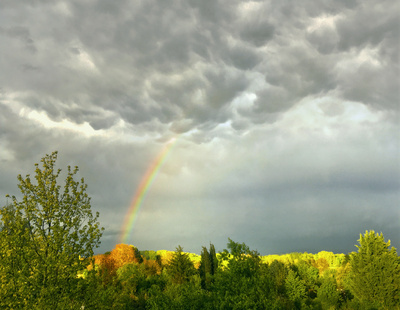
(375, 272)
(321, 264)
(208, 265)
(46, 238)
(241, 280)
(309, 275)
(295, 288)
(328, 294)
(123, 254)
(180, 267)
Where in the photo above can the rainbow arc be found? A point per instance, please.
(142, 190)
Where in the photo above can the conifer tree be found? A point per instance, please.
(180, 267)
(375, 272)
(295, 288)
(208, 265)
(205, 267)
(213, 259)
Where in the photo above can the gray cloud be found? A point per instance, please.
(285, 115)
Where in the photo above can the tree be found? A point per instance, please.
(208, 265)
(295, 289)
(46, 239)
(180, 267)
(328, 294)
(309, 275)
(375, 272)
(213, 259)
(243, 261)
(278, 272)
(205, 268)
(124, 254)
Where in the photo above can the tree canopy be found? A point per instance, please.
(46, 239)
(375, 271)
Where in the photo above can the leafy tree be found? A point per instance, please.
(138, 256)
(309, 275)
(180, 267)
(278, 272)
(124, 254)
(107, 267)
(375, 271)
(47, 237)
(241, 260)
(245, 283)
(321, 264)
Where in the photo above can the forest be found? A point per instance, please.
(239, 278)
(47, 261)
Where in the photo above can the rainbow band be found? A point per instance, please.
(141, 191)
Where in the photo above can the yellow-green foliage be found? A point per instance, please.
(46, 240)
(334, 260)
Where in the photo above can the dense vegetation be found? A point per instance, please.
(47, 262)
(239, 278)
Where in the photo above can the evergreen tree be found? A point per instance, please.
(205, 268)
(295, 289)
(180, 267)
(375, 272)
(208, 265)
(213, 259)
(328, 294)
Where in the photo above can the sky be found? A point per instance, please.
(284, 116)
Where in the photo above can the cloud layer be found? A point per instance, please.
(286, 115)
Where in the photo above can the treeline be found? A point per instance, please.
(239, 278)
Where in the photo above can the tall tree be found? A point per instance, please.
(180, 267)
(46, 239)
(208, 265)
(375, 272)
(213, 259)
(205, 268)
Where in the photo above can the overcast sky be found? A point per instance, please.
(285, 114)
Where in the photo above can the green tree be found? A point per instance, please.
(46, 239)
(241, 260)
(208, 265)
(375, 272)
(243, 282)
(213, 259)
(180, 267)
(278, 272)
(295, 289)
(309, 275)
(328, 294)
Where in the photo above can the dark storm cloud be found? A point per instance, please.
(286, 113)
(139, 50)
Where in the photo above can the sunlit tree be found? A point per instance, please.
(124, 254)
(47, 238)
(295, 288)
(375, 271)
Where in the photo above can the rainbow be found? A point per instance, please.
(142, 189)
